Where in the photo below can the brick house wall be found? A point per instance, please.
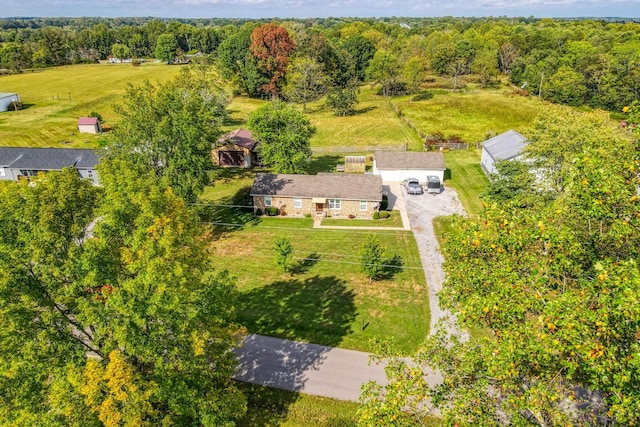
(347, 207)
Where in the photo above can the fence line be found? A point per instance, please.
(358, 149)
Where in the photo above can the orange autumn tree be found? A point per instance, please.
(272, 45)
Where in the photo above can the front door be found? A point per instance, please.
(319, 208)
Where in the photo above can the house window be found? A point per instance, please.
(267, 200)
(363, 205)
(335, 204)
(90, 174)
(297, 203)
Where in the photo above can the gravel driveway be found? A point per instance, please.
(421, 210)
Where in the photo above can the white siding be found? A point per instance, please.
(5, 101)
(419, 174)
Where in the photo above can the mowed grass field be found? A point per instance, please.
(472, 115)
(325, 299)
(54, 99)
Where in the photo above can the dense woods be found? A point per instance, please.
(574, 62)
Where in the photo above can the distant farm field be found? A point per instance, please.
(54, 99)
(472, 115)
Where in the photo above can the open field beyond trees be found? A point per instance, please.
(325, 299)
(54, 98)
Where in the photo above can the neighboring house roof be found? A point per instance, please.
(241, 137)
(327, 185)
(47, 158)
(409, 160)
(505, 146)
(88, 121)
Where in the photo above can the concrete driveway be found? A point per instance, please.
(421, 209)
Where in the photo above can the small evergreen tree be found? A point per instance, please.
(284, 249)
(371, 257)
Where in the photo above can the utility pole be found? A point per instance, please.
(540, 87)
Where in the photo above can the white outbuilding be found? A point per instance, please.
(506, 146)
(396, 166)
(6, 98)
(89, 125)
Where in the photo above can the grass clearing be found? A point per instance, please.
(395, 220)
(271, 407)
(466, 176)
(473, 115)
(325, 299)
(54, 98)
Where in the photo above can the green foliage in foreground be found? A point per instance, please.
(556, 280)
(110, 309)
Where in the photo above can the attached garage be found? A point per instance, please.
(396, 166)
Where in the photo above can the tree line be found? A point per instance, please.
(575, 62)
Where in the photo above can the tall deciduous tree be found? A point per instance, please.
(170, 127)
(111, 313)
(385, 70)
(272, 46)
(284, 135)
(237, 63)
(166, 46)
(413, 73)
(306, 81)
(555, 283)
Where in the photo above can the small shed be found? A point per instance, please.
(89, 125)
(237, 148)
(396, 166)
(354, 164)
(506, 146)
(6, 98)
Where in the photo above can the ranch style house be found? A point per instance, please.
(22, 163)
(325, 194)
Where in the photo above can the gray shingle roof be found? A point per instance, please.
(410, 160)
(327, 185)
(506, 145)
(241, 137)
(47, 158)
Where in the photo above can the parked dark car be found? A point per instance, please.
(433, 184)
(413, 186)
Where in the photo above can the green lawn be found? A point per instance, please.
(393, 221)
(325, 299)
(473, 115)
(54, 99)
(467, 177)
(271, 407)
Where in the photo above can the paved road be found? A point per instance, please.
(307, 368)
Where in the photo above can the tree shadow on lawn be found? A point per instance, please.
(304, 265)
(317, 309)
(235, 216)
(392, 266)
(324, 163)
(265, 406)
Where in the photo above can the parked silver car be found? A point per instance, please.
(413, 186)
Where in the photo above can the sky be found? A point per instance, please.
(319, 8)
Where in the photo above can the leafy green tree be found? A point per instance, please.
(306, 81)
(121, 51)
(284, 249)
(284, 134)
(237, 64)
(343, 101)
(413, 73)
(170, 127)
(485, 65)
(385, 70)
(371, 257)
(566, 86)
(111, 312)
(166, 46)
(553, 284)
(361, 51)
